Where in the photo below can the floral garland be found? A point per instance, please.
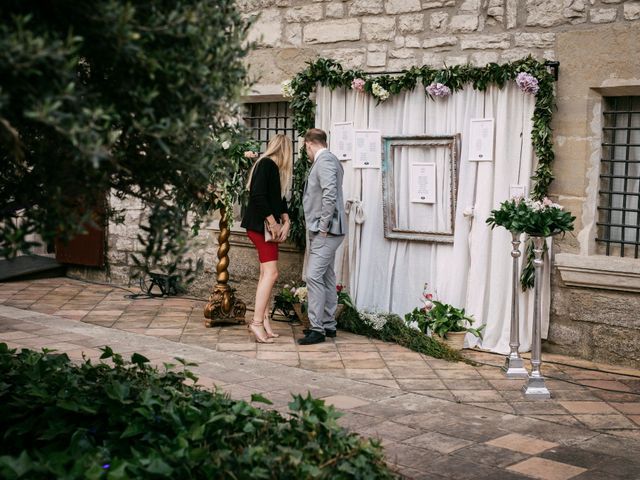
(531, 76)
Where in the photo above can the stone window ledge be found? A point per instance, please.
(598, 271)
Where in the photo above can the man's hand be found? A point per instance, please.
(323, 234)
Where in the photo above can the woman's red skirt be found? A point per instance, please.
(267, 251)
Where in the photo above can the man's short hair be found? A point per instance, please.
(315, 135)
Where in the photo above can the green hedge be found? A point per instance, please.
(67, 421)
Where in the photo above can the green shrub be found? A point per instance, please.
(66, 421)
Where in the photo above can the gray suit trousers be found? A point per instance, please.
(321, 281)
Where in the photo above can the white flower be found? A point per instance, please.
(544, 204)
(468, 212)
(414, 325)
(287, 90)
(379, 92)
(226, 144)
(375, 320)
(301, 293)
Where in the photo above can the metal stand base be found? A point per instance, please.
(514, 368)
(536, 388)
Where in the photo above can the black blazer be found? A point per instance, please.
(264, 196)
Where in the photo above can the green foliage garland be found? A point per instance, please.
(61, 420)
(396, 330)
(329, 73)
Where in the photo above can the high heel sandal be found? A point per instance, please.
(266, 323)
(255, 327)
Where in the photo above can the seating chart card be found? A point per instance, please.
(481, 140)
(423, 182)
(517, 191)
(342, 137)
(368, 149)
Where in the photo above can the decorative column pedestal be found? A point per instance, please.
(223, 306)
(535, 386)
(514, 365)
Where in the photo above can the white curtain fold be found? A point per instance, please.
(475, 271)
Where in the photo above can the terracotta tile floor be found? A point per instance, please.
(423, 436)
(603, 398)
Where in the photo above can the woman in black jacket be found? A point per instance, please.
(269, 180)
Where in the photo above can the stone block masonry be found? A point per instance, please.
(475, 30)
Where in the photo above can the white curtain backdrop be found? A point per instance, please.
(475, 271)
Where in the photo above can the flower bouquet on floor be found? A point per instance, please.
(300, 305)
(292, 301)
(287, 298)
(443, 321)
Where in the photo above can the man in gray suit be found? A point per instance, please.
(323, 204)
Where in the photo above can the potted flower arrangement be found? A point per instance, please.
(344, 300)
(292, 302)
(444, 321)
(537, 218)
(300, 304)
(283, 302)
(451, 324)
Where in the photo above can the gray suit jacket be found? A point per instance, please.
(323, 200)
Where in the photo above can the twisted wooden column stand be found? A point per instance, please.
(223, 306)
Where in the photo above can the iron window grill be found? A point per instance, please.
(266, 119)
(618, 204)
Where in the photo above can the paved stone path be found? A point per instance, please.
(436, 419)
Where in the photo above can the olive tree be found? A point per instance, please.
(125, 96)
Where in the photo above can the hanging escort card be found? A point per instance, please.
(342, 140)
(423, 182)
(481, 140)
(368, 149)
(517, 191)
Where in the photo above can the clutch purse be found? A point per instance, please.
(268, 236)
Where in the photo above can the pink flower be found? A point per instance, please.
(358, 84)
(428, 296)
(250, 154)
(546, 201)
(339, 288)
(438, 90)
(527, 83)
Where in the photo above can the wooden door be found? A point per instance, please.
(87, 249)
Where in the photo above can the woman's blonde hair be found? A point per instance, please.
(280, 150)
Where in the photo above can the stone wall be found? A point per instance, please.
(596, 42)
(595, 298)
(243, 262)
(389, 35)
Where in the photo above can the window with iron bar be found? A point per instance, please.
(619, 199)
(264, 120)
(269, 118)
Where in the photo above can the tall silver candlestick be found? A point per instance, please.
(535, 386)
(513, 365)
